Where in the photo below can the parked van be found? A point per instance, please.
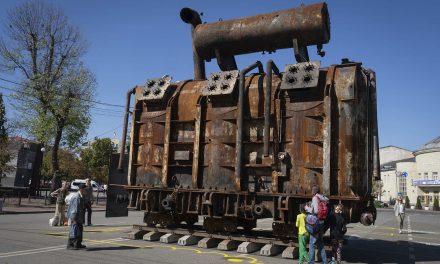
(75, 185)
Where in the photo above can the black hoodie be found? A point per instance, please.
(337, 227)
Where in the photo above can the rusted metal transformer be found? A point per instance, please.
(239, 146)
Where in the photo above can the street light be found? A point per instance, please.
(398, 174)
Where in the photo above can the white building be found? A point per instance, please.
(410, 173)
(393, 162)
(428, 169)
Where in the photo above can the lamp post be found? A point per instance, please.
(398, 174)
(42, 150)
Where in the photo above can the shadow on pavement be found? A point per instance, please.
(361, 250)
(110, 248)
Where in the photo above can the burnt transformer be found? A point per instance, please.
(245, 144)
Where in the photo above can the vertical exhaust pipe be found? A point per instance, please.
(124, 131)
(270, 68)
(239, 138)
(191, 16)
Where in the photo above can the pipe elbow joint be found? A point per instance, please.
(190, 16)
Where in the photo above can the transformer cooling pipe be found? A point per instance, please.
(270, 68)
(124, 131)
(191, 16)
(239, 139)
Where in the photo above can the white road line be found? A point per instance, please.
(426, 243)
(48, 249)
(22, 251)
(411, 250)
(425, 232)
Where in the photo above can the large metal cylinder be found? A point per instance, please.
(310, 25)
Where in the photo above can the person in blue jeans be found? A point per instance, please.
(316, 239)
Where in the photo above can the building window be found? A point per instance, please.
(435, 175)
(402, 185)
(425, 175)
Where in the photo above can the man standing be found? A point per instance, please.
(75, 213)
(88, 199)
(61, 195)
(317, 238)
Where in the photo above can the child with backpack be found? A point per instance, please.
(317, 213)
(337, 231)
(303, 236)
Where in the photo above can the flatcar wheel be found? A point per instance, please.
(248, 228)
(190, 222)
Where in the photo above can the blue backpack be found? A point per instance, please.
(313, 224)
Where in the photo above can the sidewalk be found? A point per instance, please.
(36, 207)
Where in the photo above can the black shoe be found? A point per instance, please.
(81, 246)
(71, 247)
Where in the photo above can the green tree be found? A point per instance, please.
(71, 166)
(407, 203)
(419, 203)
(45, 51)
(5, 156)
(377, 188)
(436, 207)
(96, 159)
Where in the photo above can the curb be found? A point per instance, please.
(410, 210)
(39, 212)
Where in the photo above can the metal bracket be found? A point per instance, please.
(301, 52)
(284, 159)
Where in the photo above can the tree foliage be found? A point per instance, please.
(96, 159)
(54, 99)
(377, 188)
(5, 156)
(71, 166)
(407, 202)
(435, 206)
(419, 203)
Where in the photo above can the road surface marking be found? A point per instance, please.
(47, 249)
(412, 257)
(230, 258)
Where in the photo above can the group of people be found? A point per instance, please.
(79, 203)
(313, 220)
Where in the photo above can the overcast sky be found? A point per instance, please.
(131, 41)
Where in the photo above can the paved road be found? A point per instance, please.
(28, 239)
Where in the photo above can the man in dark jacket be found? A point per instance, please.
(88, 201)
(76, 213)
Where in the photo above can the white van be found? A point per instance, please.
(75, 185)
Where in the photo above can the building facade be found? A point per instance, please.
(412, 174)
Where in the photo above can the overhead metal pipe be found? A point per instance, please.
(192, 17)
(270, 68)
(124, 131)
(309, 25)
(239, 136)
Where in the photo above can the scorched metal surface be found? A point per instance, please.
(249, 144)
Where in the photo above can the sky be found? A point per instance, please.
(132, 41)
